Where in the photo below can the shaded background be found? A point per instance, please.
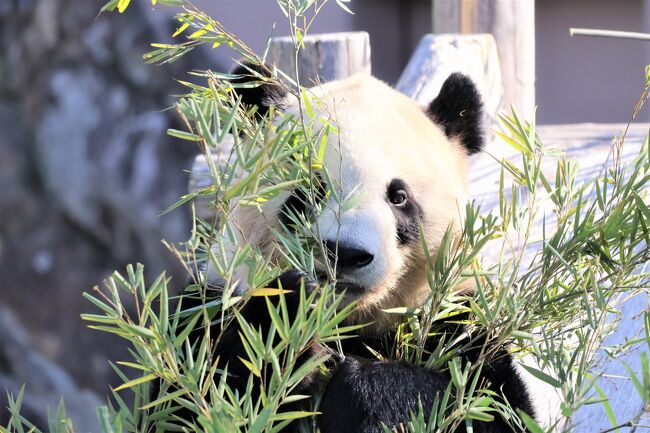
(86, 167)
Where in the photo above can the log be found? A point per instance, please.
(513, 25)
(617, 34)
(446, 16)
(324, 57)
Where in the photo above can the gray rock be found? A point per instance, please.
(86, 169)
(46, 382)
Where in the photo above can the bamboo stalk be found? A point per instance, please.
(609, 34)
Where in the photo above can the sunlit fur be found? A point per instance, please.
(382, 135)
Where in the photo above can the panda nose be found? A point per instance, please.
(348, 257)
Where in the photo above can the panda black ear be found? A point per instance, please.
(458, 109)
(268, 93)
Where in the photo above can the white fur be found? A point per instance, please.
(382, 135)
(545, 398)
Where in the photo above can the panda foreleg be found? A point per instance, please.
(229, 346)
(361, 395)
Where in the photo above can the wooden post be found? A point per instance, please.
(323, 58)
(513, 25)
(446, 16)
(326, 57)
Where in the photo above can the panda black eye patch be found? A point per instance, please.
(297, 203)
(406, 209)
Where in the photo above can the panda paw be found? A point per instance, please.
(293, 280)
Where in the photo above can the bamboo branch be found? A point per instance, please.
(609, 34)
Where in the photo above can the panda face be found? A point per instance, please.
(403, 170)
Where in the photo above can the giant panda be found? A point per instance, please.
(407, 167)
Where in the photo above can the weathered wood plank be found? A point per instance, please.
(446, 16)
(513, 25)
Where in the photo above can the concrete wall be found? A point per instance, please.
(582, 79)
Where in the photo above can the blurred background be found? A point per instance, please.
(86, 167)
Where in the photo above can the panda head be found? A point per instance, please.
(402, 167)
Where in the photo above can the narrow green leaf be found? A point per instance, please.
(134, 382)
(542, 376)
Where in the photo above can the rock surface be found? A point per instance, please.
(46, 382)
(86, 168)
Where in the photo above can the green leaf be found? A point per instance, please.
(529, 422)
(134, 382)
(260, 422)
(110, 6)
(608, 408)
(183, 135)
(480, 414)
(165, 398)
(542, 376)
(105, 422)
(343, 6)
(282, 416)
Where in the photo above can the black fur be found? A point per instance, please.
(458, 109)
(408, 215)
(229, 348)
(362, 392)
(297, 203)
(268, 93)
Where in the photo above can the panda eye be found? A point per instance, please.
(398, 198)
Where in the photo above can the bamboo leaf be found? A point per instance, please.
(268, 291)
(542, 376)
(122, 5)
(134, 382)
